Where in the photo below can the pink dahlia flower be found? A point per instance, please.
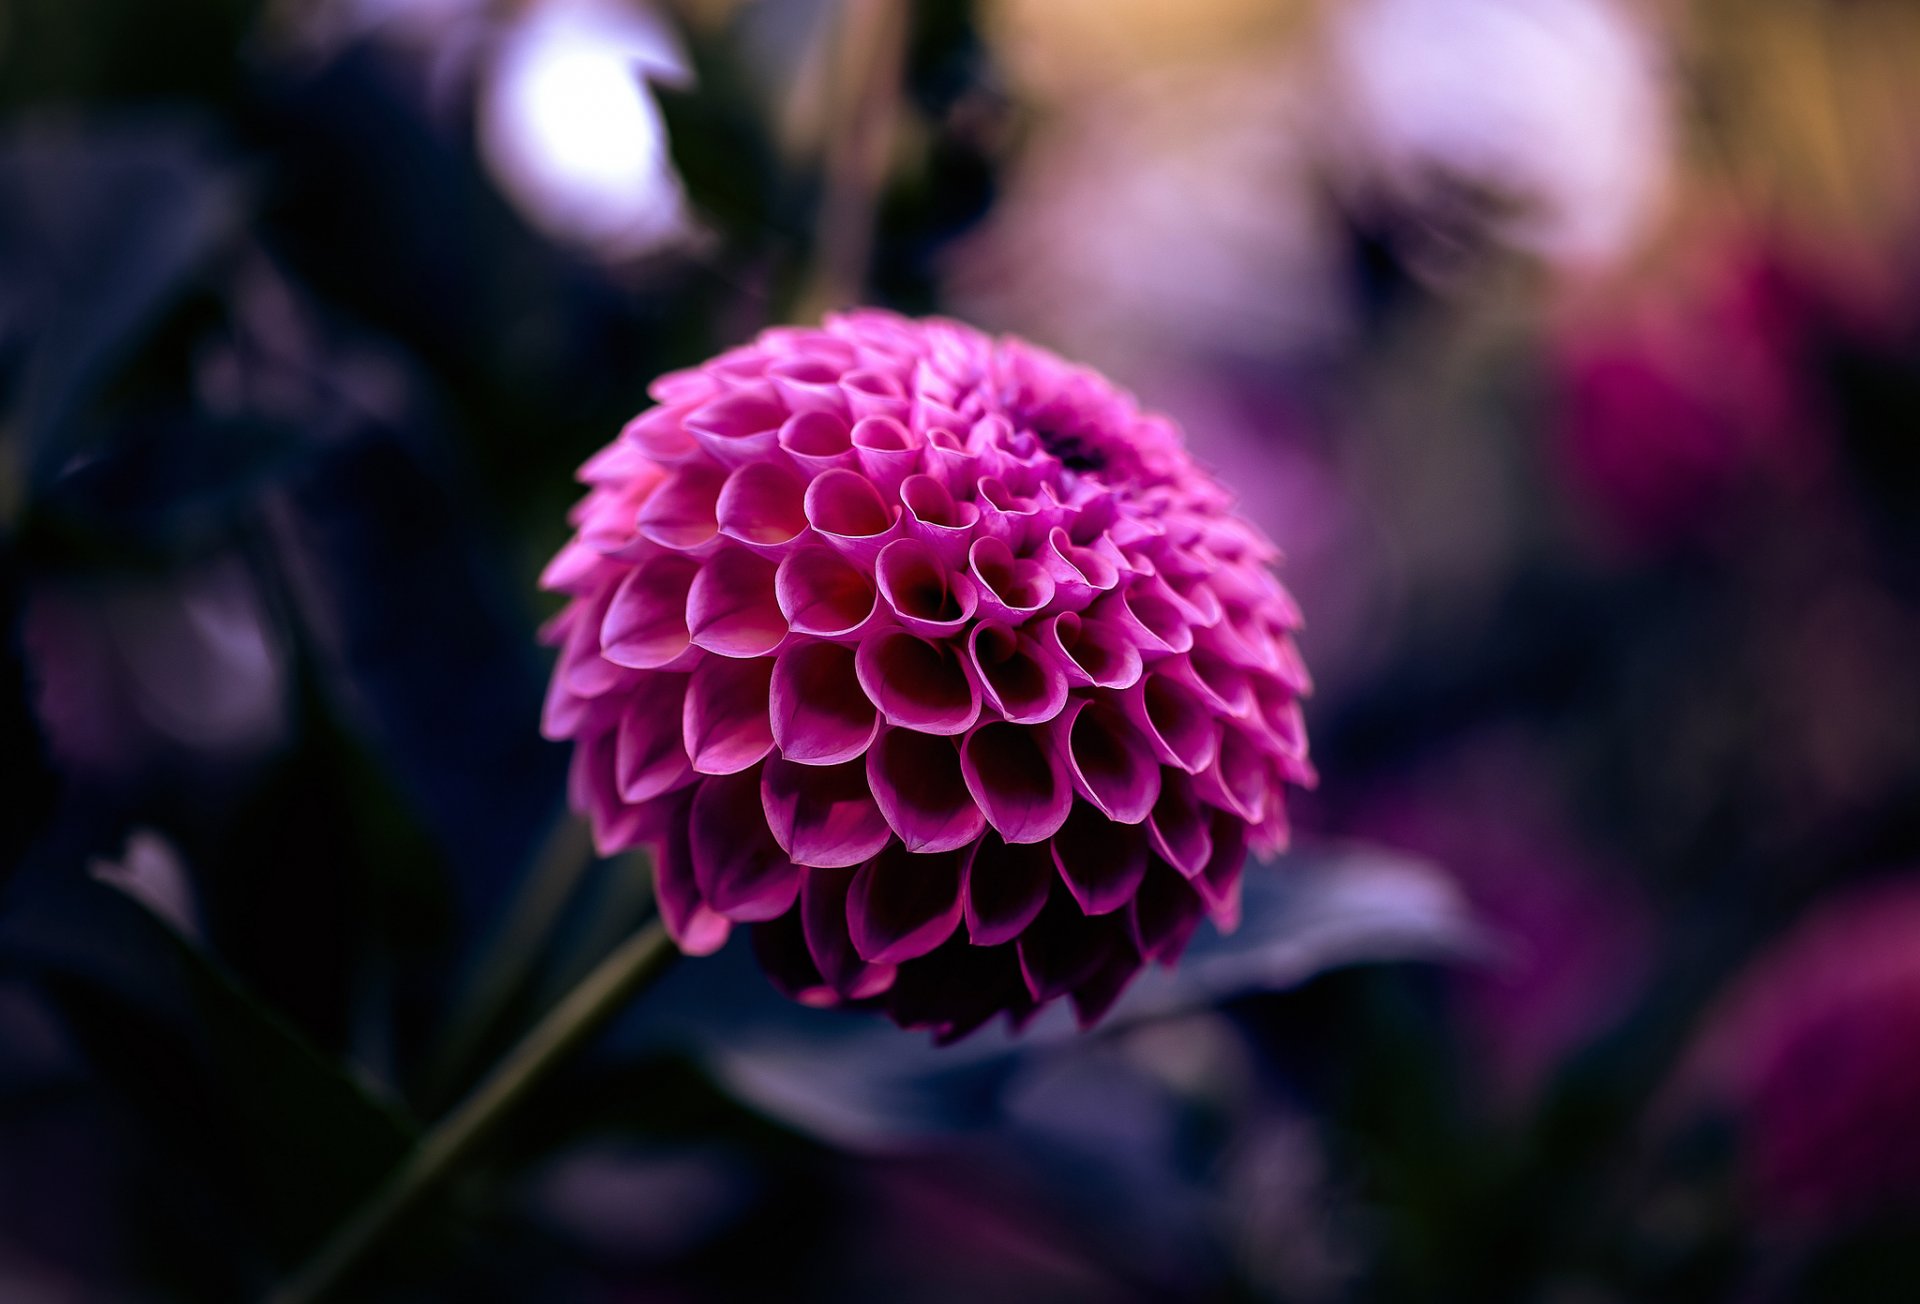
(932, 657)
(1816, 1052)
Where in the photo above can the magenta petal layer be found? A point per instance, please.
(933, 657)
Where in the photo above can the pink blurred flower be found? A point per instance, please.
(1816, 1050)
(933, 657)
(1699, 383)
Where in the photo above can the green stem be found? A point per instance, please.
(509, 959)
(584, 1011)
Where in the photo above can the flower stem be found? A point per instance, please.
(583, 1012)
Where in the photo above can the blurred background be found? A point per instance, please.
(1569, 348)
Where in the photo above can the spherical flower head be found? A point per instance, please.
(932, 657)
(1816, 1054)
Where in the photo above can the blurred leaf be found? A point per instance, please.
(234, 1091)
(853, 1079)
(101, 227)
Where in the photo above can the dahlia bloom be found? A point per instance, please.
(1816, 1053)
(933, 658)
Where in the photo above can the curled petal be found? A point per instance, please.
(818, 442)
(849, 513)
(740, 427)
(1179, 826)
(823, 594)
(823, 918)
(1227, 688)
(822, 816)
(1147, 609)
(820, 714)
(1219, 882)
(1018, 678)
(1092, 652)
(732, 608)
(903, 905)
(724, 722)
(1011, 588)
(808, 386)
(661, 434)
(761, 505)
(1174, 719)
(695, 927)
(1111, 764)
(739, 868)
(1164, 913)
(1063, 947)
(888, 449)
(917, 684)
(650, 757)
(874, 393)
(780, 945)
(1018, 780)
(1079, 574)
(934, 518)
(922, 592)
(646, 623)
(916, 779)
(1101, 862)
(1007, 884)
(684, 512)
(1237, 779)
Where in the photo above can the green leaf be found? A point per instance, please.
(287, 1139)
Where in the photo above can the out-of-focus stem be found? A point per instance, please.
(868, 62)
(585, 1010)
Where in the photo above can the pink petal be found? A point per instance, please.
(732, 608)
(1237, 780)
(740, 869)
(1017, 676)
(888, 449)
(849, 513)
(822, 815)
(824, 594)
(1092, 652)
(1164, 914)
(917, 684)
(1063, 948)
(916, 779)
(1179, 824)
(762, 504)
(1101, 862)
(649, 757)
(1219, 882)
(823, 916)
(935, 518)
(1018, 781)
(1011, 588)
(646, 623)
(820, 714)
(1174, 720)
(1006, 886)
(724, 723)
(740, 427)
(683, 513)
(695, 927)
(903, 905)
(1111, 763)
(1148, 610)
(922, 591)
(818, 441)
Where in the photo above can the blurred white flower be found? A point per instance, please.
(566, 122)
(1555, 109)
(571, 132)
